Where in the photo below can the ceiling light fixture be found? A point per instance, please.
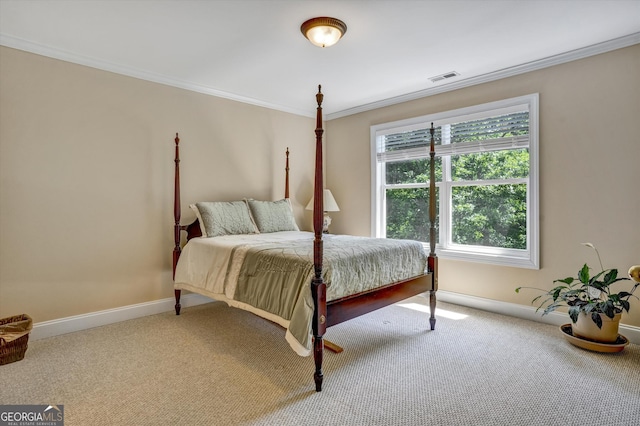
(323, 31)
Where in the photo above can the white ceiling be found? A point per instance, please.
(253, 51)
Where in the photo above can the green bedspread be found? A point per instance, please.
(276, 277)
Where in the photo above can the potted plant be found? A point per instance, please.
(594, 308)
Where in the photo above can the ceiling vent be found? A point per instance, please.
(444, 76)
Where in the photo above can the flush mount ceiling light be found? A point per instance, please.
(323, 31)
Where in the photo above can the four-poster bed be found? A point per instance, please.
(303, 259)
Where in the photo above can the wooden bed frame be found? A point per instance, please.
(333, 312)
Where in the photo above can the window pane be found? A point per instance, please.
(490, 215)
(412, 139)
(503, 126)
(513, 163)
(408, 213)
(411, 171)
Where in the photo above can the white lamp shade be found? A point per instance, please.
(329, 203)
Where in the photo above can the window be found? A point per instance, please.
(486, 181)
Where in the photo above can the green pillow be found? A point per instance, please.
(273, 216)
(226, 218)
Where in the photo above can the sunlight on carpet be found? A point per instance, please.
(439, 312)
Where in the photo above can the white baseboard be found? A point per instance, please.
(110, 316)
(632, 333)
(60, 326)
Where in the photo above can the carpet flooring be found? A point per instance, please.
(215, 365)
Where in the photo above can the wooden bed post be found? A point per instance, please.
(318, 287)
(286, 176)
(433, 258)
(176, 215)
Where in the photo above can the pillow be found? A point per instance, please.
(273, 216)
(226, 218)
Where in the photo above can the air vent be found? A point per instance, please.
(444, 76)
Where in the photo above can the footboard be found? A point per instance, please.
(350, 307)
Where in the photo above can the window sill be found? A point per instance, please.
(524, 261)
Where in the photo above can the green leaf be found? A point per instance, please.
(608, 309)
(574, 311)
(583, 274)
(611, 276)
(556, 293)
(596, 276)
(597, 319)
(625, 305)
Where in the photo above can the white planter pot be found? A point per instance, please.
(587, 329)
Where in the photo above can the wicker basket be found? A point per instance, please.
(14, 336)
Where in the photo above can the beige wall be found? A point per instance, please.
(86, 176)
(589, 171)
(86, 168)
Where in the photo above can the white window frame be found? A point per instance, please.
(529, 258)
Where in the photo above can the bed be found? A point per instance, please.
(251, 254)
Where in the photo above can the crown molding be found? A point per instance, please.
(28, 46)
(39, 49)
(550, 61)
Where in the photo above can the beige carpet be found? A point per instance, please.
(215, 365)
